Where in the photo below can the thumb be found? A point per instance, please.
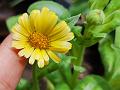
(11, 66)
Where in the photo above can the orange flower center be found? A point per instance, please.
(38, 40)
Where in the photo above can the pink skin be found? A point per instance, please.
(11, 66)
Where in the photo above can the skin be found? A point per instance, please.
(11, 65)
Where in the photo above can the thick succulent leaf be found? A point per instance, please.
(93, 82)
(117, 37)
(112, 6)
(11, 22)
(98, 4)
(107, 54)
(59, 9)
(111, 60)
(79, 7)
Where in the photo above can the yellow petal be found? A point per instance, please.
(60, 46)
(60, 31)
(68, 37)
(41, 63)
(46, 21)
(42, 58)
(27, 51)
(53, 56)
(33, 17)
(61, 26)
(46, 62)
(51, 21)
(18, 36)
(19, 44)
(24, 22)
(38, 54)
(45, 55)
(39, 58)
(32, 58)
(20, 29)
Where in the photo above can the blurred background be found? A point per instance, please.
(10, 8)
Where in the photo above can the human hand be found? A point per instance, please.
(11, 66)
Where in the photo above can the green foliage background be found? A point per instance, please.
(107, 34)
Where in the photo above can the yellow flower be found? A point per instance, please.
(40, 36)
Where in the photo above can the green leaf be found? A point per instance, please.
(23, 85)
(111, 22)
(98, 4)
(79, 69)
(100, 35)
(59, 9)
(77, 30)
(112, 16)
(117, 37)
(57, 77)
(62, 86)
(47, 70)
(112, 6)
(65, 68)
(107, 54)
(111, 60)
(73, 20)
(79, 7)
(93, 82)
(11, 22)
(50, 85)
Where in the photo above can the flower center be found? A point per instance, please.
(38, 40)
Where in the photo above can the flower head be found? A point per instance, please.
(95, 16)
(40, 36)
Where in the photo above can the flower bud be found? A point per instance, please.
(95, 17)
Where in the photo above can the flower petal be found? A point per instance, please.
(38, 56)
(18, 36)
(45, 55)
(24, 22)
(27, 51)
(20, 29)
(41, 63)
(60, 46)
(46, 62)
(60, 31)
(68, 37)
(33, 17)
(19, 44)
(53, 56)
(46, 21)
(32, 58)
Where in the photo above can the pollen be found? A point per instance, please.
(38, 40)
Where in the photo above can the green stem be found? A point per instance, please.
(80, 56)
(35, 78)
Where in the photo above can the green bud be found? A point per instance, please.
(95, 17)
